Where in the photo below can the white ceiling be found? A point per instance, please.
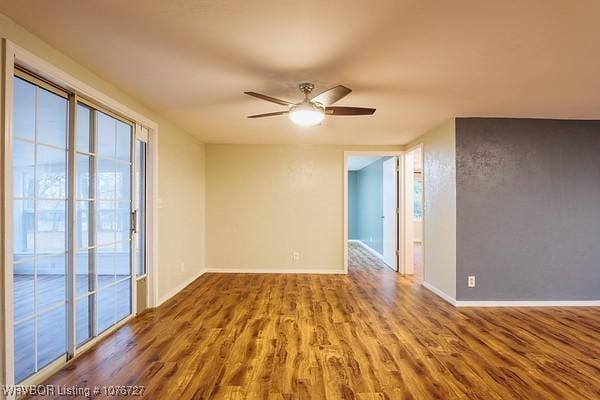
(356, 163)
(418, 62)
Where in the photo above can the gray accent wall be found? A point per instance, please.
(528, 209)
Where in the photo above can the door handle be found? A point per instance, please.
(134, 221)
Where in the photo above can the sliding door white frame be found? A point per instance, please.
(13, 55)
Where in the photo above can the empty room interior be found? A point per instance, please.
(300, 199)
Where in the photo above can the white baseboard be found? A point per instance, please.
(180, 287)
(439, 293)
(276, 271)
(526, 303)
(366, 246)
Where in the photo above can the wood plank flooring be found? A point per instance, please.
(369, 335)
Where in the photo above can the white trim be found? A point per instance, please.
(439, 293)
(366, 246)
(7, 333)
(528, 303)
(179, 288)
(324, 271)
(348, 153)
(152, 217)
(517, 303)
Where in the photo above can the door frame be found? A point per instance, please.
(400, 187)
(12, 56)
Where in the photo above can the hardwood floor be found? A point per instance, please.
(369, 335)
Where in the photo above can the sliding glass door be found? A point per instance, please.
(72, 222)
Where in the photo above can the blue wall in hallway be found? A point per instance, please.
(365, 205)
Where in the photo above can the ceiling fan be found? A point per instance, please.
(311, 111)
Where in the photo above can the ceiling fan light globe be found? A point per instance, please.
(306, 115)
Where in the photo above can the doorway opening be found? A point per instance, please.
(413, 218)
(372, 194)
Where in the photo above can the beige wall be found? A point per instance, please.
(265, 202)
(181, 217)
(439, 230)
(180, 175)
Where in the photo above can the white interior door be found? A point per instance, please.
(390, 216)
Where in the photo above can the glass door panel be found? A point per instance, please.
(140, 220)
(104, 175)
(40, 177)
(140, 200)
(83, 235)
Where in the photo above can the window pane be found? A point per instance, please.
(82, 181)
(82, 220)
(418, 197)
(23, 289)
(140, 177)
(83, 319)
(24, 109)
(105, 266)
(51, 281)
(106, 178)
(105, 307)
(83, 128)
(24, 343)
(50, 227)
(51, 336)
(106, 136)
(23, 167)
(123, 141)
(105, 222)
(122, 260)
(51, 173)
(123, 214)
(123, 300)
(82, 268)
(52, 118)
(123, 180)
(23, 229)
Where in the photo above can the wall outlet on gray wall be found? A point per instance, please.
(471, 281)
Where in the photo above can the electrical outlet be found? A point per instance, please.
(471, 281)
(182, 267)
(296, 256)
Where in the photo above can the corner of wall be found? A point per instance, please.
(439, 223)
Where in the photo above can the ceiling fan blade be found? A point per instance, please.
(349, 111)
(268, 114)
(332, 95)
(269, 98)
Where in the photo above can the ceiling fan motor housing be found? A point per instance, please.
(306, 87)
